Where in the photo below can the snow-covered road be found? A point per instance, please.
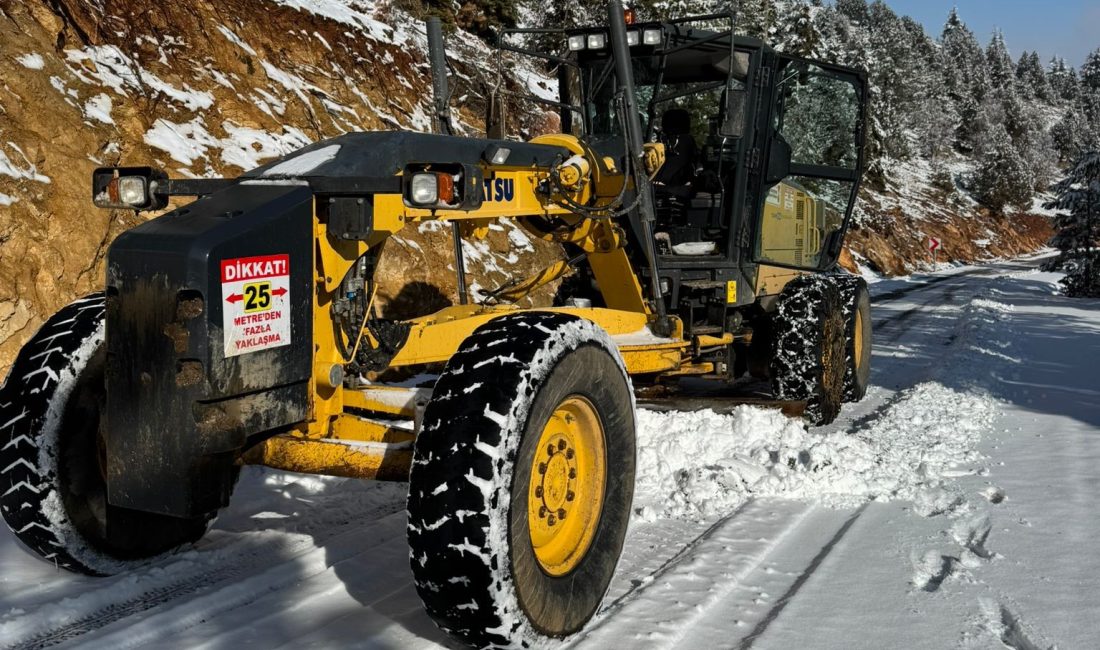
(953, 507)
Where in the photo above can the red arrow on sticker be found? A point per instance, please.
(278, 292)
(234, 297)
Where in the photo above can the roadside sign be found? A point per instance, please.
(255, 303)
(933, 245)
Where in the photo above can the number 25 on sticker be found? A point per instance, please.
(257, 297)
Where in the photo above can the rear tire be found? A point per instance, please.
(52, 487)
(857, 336)
(809, 347)
(532, 419)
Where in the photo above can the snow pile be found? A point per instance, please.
(703, 464)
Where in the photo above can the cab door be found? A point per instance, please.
(813, 164)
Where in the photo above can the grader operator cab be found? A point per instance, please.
(701, 187)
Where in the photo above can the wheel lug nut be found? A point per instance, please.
(543, 511)
(538, 491)
(542, 468)
(572, 472)
(569, 454)
(551, 520)
(569, 496)
(561, 445)
(561, 514)
(550, 449)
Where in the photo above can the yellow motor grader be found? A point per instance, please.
(700, 188)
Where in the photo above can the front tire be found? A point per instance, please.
(52, 486)
(522, 481)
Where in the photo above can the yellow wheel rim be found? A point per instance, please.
(566, 494)
(859, 339)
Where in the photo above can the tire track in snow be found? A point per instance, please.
(292, 583)
(781, 604)
(666, 603)
(239, 560)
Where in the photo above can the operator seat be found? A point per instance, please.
(680, 149)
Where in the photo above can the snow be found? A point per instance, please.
(183, 142)
(113, 68)
(952, 508)
(350, 12)
(643, 336)
(304, 163)
(236, 40)
(905, 454)
(99, 108)
(31, 60)
(8, 167)
(243, 147)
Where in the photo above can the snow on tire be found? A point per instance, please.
(52, 491)
(522, 481)
(809, 346)
(856, 301)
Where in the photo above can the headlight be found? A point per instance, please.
(131, 190)
(633, 38)
(447, 186)
(597, 41)
(651, 37)
(424, 189)
(576, 42)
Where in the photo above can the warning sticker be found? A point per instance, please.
(255, 303)
(731, 291)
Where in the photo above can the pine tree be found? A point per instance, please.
(1002, 178)
(795, 32)
(966, 77)
(1063, 80)
(757, 18)
(1002, 73)
(1077, 226)
(856, 11)
(1072, 134)
(1090, 72)
(1031, 79)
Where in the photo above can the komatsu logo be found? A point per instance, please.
(500, 189)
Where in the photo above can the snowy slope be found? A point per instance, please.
(951, 508)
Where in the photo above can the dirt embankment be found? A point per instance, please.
(197, 88)
(896, 244)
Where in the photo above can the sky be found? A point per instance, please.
(1067, 28)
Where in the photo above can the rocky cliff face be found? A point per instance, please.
(212, 88)
(202, 89)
